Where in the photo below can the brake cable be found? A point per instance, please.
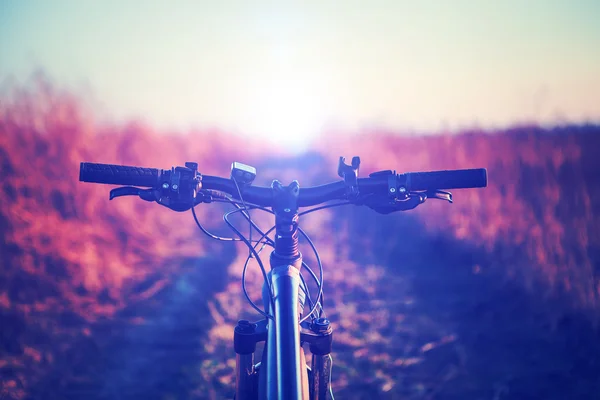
(320, 295)
(212, 236)
(304, 285)
(252, 303)
(253, 251)
(319, 281)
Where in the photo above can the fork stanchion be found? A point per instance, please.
(320, 377)
(244, 340)
(319, 335)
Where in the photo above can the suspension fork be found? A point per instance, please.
(283, 371)
(317, 334)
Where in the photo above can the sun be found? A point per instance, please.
(285, 111)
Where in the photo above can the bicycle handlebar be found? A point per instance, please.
(376, 183)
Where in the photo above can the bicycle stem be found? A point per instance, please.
(285, 207)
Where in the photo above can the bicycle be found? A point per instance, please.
(283, 372)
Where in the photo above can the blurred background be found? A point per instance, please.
(496, 296)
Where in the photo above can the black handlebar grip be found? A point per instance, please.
(453, 179)
(118, 174)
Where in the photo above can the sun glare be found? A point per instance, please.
(285, 111)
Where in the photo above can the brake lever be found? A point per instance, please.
(439, 195)
(144, 194)
(384, 205)
(403, 202)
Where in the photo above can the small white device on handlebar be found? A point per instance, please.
(242, 173)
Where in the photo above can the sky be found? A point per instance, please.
(293, 69)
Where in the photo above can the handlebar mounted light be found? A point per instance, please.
(243, 174)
